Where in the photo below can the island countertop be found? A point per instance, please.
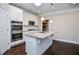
(37, 34)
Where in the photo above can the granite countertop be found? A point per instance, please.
(38, 34)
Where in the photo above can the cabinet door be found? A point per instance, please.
(16, 14)
(20, 14)
(4, 31)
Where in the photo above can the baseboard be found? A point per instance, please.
(68, 41)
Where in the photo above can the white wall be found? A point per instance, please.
(66, 26)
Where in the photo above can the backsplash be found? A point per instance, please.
(30, 28)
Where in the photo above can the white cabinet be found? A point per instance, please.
(30, 17)
(16, 14)
(37, 46)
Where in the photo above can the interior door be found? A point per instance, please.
(4, 31)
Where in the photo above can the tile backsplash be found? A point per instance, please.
(30, 28)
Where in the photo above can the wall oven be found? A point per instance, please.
(16, 31)
(16, 27)
(16, 37)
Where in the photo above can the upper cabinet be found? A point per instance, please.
(16, 14)
(29, 17)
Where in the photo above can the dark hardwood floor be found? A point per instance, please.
(16, 50)
(57, 48)
(62, 48)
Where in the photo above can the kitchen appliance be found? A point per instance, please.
(16, 31)
(31, 23)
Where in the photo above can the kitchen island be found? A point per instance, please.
(37, 42)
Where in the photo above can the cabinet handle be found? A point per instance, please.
(7, 30)
(8, 42)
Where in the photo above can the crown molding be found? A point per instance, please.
(60, 12)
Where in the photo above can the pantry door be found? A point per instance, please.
(4, 31)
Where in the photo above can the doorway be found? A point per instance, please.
(45, 25)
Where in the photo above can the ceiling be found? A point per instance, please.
(45, 7)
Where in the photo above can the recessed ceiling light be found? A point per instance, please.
(37, 4)
(53, 7)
